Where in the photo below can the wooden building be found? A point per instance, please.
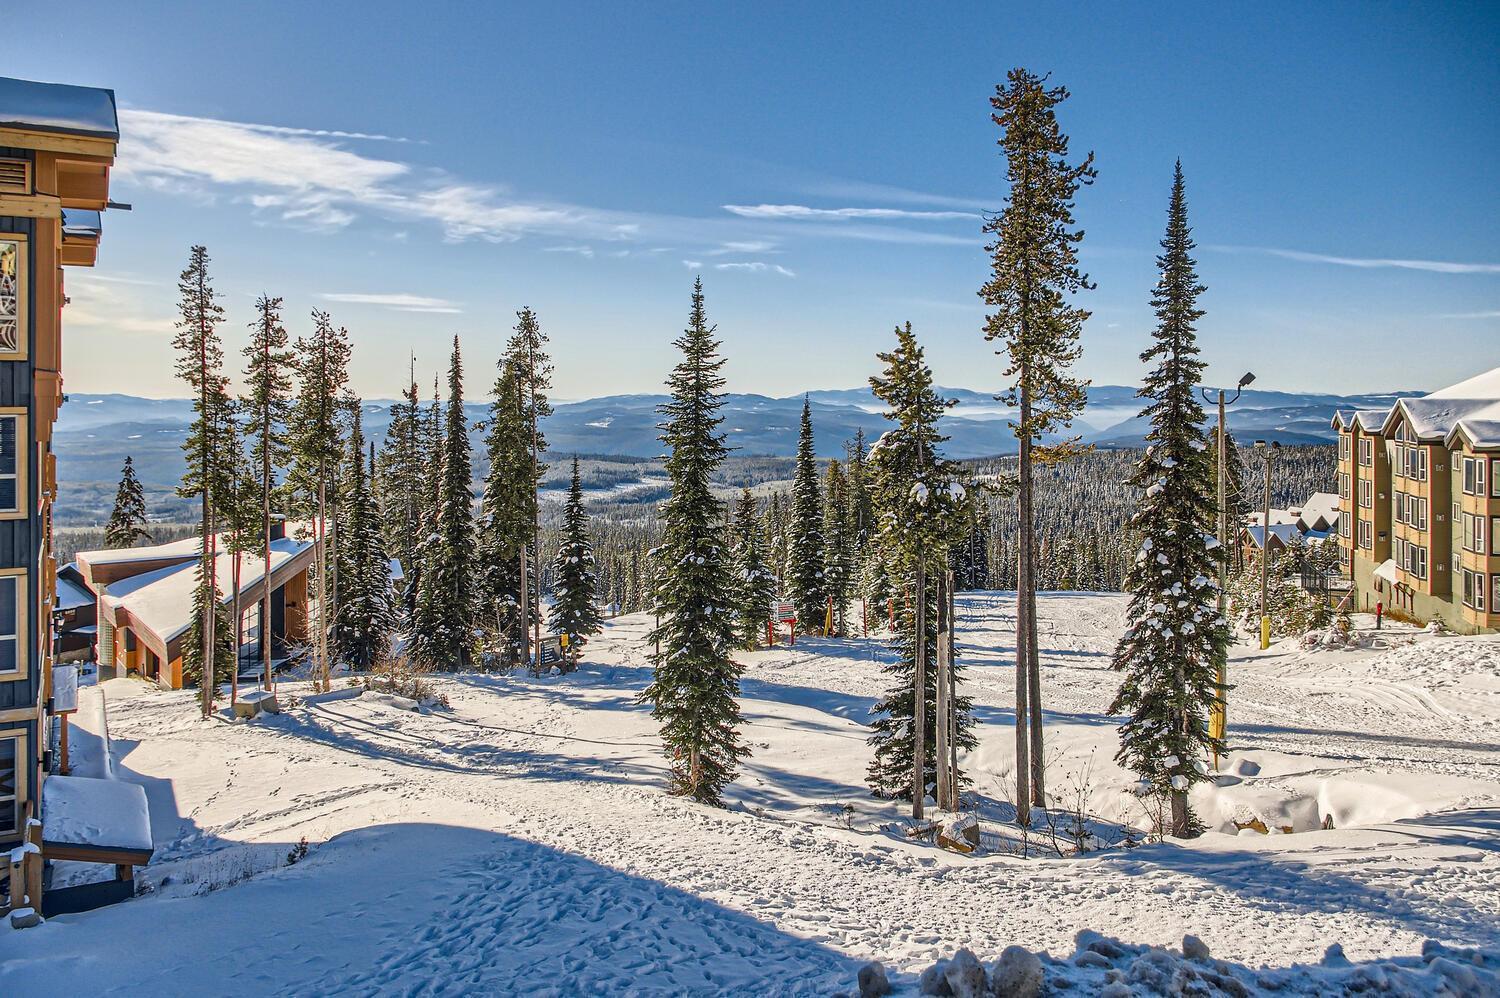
(57, 144)
(145, 601)
(1419, 492)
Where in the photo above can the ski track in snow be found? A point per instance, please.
(585, 878)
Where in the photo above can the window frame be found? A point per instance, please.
(23, 603)
(23, 462)
(23, 292)
(23, 772)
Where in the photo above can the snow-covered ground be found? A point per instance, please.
(520, 841)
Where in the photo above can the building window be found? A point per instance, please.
(1366, 494)
(1418, 510)
(1366, 451)
(1495, 477)
(1495, 535)
(12, 293)
(1343, 485)
(1474, 590)
(1343, 528)
(12, 464)
(1474, 468)
(1343, 454)
(10, 624)
(1366, 534)
(11, 774)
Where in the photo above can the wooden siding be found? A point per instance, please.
(20, 539)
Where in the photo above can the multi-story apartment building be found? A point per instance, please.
(1419, 493)
(57, 144)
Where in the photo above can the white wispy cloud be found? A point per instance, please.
(583, 251)
(743, 246)
(1492, 314)
(802, 211)
(308, 177)
(756, 266)
(399, 302)
(1396, 263)
(694, 265)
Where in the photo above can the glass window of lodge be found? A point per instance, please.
(12, 286)
(1366, 451)
(10, 623)
(10, 772)
(10, 492)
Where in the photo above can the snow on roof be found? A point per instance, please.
(1278, 516)
(1286, 533)
(1481, 386)
(58, 107)
(186, 548)
(163, 600)
(71, 595)
(1324, 505)
(1482, 434)
(82, 810)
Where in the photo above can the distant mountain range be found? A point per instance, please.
(95, 432)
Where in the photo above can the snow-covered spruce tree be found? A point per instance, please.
(861, 515)
(696, 685)
(806, 586)
(838, 547)
(241, 524)
(575, 611)
(400, 492)
(209, 471)
(1034, 264)
(362, 626)
(127, 519)
(504, 528)
(317, 442)
(756, 586)
(918, 506)
(776, 541)
(445, 600)
(1175, 634)
(266, 409)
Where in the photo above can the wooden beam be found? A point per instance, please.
(33, 206)
(96, 854)
(82, 145)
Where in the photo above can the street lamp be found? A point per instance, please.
(1219, 716)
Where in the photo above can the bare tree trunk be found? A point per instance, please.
(919, 696)
(1023, 617)
(525, 610)
(234, 673)
(320, 534)
(211, 603)
(953, 781)
(265, 596)
(1027, 669)
(944, 701)
(1034, 694)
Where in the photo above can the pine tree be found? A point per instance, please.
(125, 521)
(1175, 635)
(239, 514)
(317, 449)
(838, 546)
(445, 601)
(806, 586)
(756, 586)
(1034, 259)
(361, 629)
(574, 608)
(505, 515)
(776, 541)
(209, 474)
(267, 409)
(696, 684)
(527, 350)
(401, 490)
(861, 515)
(918, 507)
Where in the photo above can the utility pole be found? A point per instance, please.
(1265, 547)
(1219, 715)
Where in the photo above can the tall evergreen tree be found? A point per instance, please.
(1035, 274)
(401, 485)
(755, 584)
(918, 506)
(267, 408)
(126, 520)
(1175, 634)
(361, 630)
(317, 441)
(445, 601)
(506, 510)
(838, 545)
(861, 514)
(527, 350)
(696, 684)
(209, 474)
(575, 611)
(806, 586)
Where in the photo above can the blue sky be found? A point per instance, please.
(425, 171)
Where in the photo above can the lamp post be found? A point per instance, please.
(1219, 716)
(1265, 546)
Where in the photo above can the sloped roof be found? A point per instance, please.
(1320, 504)
(58, 107)
(1286, 533)
(1435, 415)
(1479, 434)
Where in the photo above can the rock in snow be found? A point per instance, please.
(1017, 974)
(965, 976)
(872, 980)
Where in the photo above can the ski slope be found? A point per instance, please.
(520, 841)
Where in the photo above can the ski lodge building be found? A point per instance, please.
(1419, 494)
(145, 602)
(57, 144)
